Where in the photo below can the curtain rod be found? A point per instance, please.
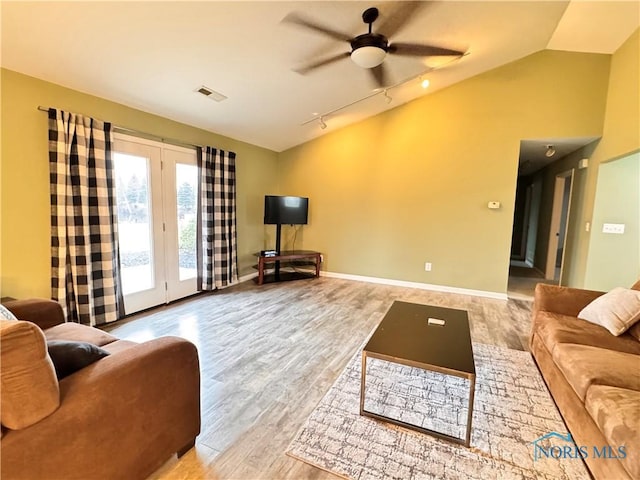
(138, 133)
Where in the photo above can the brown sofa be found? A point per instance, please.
(120, 417)
(593, 376)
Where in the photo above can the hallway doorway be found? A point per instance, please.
(523, 279)
(543, 230)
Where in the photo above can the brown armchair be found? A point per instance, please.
(120, 417)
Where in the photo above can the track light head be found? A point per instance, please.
(550, 151)
(320, 118)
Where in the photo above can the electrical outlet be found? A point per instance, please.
(427, 266)
(321, 258)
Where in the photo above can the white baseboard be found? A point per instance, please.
(247, 277)
(421, 286)
(400, 283)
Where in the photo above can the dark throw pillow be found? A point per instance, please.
(69, 357)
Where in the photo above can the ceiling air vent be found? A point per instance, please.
(212, 94)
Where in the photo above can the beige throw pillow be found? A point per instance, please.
(616, 310)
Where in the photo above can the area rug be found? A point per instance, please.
(512, 410)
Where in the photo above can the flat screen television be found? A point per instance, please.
(285, 210)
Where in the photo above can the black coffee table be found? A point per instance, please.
(405, 336)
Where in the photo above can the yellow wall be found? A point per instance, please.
(387, 194)
(412, 184)
(25, 223)
(621, 134)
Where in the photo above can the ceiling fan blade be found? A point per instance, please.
(321, 63)
(296, 19)
(418, 50)
(398, 17)
(379, 75)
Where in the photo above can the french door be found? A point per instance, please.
(156, 188)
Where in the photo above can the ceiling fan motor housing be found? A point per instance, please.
(369, 49)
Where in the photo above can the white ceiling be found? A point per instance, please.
(154, 55)
(532, 152)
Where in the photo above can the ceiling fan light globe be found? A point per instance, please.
(368, 57)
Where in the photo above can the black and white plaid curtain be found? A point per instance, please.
(84, 230)
(217, 242)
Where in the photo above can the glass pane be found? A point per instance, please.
(187, 192)
(134, 222)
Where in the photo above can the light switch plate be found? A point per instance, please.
(613, 228)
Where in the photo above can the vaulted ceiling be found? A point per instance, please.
(153, 56)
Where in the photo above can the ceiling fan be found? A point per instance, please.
(370, 49)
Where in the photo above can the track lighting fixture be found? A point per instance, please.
(424, 83)
(550, 151)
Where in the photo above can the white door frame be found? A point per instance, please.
(556, 218)
(155, 294)
(172, 156)
(162, 161)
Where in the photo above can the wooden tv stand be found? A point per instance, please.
(289, 259)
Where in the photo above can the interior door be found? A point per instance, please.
(532, 229)
(559, 221)
(156, 188)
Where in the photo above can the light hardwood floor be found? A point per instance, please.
(269, 353)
